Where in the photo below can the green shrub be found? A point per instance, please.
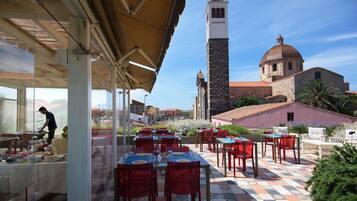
(335, 177)
(298, 129)
(236, 129)
(133, 130)
(187, 125)
(247, 100)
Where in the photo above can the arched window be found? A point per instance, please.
(274, 67)
(222, 13)
(214, 14)
(301, 67)
(263, 70)
(317, 75)
(290, 66)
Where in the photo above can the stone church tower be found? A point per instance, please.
(217, 52)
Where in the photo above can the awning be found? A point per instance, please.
(140, 31)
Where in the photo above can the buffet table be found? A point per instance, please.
(50, 177)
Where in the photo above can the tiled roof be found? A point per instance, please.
(249, 84)
(249, 110)
(351, 92)
(280, 52)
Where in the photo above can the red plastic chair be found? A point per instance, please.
(242, 150)
(183, 178)
(144, 145)
(287, 142)
(270, 142)
(136, 181)
(177, 149)
(207, 137)
(169, 143)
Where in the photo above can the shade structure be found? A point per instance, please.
(137, 31)
(140, 32)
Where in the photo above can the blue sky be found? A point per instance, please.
(324, 32)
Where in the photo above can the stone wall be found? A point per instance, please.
(282, 71)
(259, 92)
(284, 87)
(327, 76)
(218, 76)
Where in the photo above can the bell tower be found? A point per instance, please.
(217, 57)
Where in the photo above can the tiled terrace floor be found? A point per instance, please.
(276, 181)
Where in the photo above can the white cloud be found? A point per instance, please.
(332, 58)
(340, 37)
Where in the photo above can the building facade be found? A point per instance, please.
(282, 79)
(287, 113)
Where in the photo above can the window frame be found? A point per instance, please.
(317, 75)
(290, 65)
(274, 67)
(290, 116)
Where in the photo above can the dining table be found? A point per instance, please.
(160, 162)
(227, 141)
(275, 137)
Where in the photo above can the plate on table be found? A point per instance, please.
(139, 162)
(178, 153)
(143, 154)
(54, 158)
(183, 160)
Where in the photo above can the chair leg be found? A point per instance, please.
(279, 153)
(192, 196)
(265, 149)
(284, 152)
(244, 164)
(294, 155)
(253, 165)
(234, 166)
(229, 162)
(199, 193)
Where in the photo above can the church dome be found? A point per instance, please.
(280, 51)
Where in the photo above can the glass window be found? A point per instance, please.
(274, 67)
(317, 75)
(222, 13)
(290, 66)
(214, 15)
(290, 116)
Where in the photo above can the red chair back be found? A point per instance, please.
(287, 142)
(168, 143)
(206, 135)
(182, 178)
(243, 149)
(222, 133)
(145, 145)
(135, 181)
(268, 139)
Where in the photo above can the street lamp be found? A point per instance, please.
(145, 108)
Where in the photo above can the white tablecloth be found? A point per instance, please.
(48, 177)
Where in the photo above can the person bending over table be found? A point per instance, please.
(50, 123)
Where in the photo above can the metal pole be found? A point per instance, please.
(124, 120)
(145, 121)
(115, 119)
(129, 124)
